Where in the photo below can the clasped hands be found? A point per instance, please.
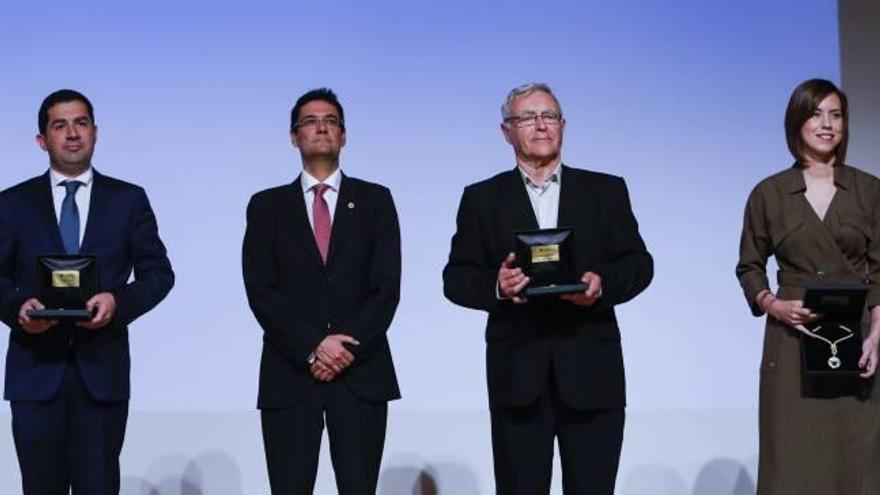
(512, 280)
(102, 306)
(331, 357)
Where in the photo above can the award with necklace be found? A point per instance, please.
(836, 344)
(834, 361)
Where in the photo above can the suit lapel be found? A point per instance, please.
(515, 197)
(97, 209)
(570, 199)
(47, 211)
(302, 229)
(346, 206)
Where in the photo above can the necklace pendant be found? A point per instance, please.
(834, 362)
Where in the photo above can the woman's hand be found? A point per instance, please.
(791, 312)
(868, 362)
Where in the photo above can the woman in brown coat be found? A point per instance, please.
(820, 220)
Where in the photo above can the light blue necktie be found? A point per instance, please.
(69, 222)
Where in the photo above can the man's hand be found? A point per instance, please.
(511, 280)
(321, 371)
(589, 296)
(103, 306)
(333, 354)
(33, 326)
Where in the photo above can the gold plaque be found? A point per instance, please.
(65, 278)
(545, 253)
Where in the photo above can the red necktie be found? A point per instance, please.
(321, 219)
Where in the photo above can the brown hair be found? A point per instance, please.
(803, 102)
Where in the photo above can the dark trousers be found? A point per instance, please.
(589, 447)
(356, 429)
(70, 441)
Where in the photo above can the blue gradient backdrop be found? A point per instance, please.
(683, 98)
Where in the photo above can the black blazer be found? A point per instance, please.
(121, 231)
(297, 300)
(581, 344)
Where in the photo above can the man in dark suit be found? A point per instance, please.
(68, 384)
(321, 263)
(554, 364)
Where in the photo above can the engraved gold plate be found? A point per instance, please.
(545, 253)
(65, 278)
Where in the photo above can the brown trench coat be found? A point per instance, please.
(811, 445)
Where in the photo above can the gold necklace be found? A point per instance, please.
(833, 361)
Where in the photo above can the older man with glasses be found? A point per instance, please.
(554, 363)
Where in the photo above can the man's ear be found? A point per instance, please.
(505, 130)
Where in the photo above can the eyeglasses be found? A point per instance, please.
(329, 121)
(550, 119)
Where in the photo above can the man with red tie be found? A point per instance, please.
(321, 266)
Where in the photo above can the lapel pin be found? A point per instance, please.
(351, 205)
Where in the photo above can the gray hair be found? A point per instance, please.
(524, 90)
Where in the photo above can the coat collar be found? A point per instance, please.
(97, 210)
(520, 207)
(792, 179)
(571, 201)
(346, 209)
(47, 207)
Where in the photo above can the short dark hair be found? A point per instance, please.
(61, 96)
(320, 94)
(803, 102)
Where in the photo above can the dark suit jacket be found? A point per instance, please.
(524, 341)
(121, 231)
(297, 299)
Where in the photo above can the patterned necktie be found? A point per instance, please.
(321, 219)
(68, 224)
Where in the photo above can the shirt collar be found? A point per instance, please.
(85, 178)
(793, 178)
(556, 177)
(308, 181)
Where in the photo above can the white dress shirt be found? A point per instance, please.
(545, 198)
(83, 196)
(330, 195)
